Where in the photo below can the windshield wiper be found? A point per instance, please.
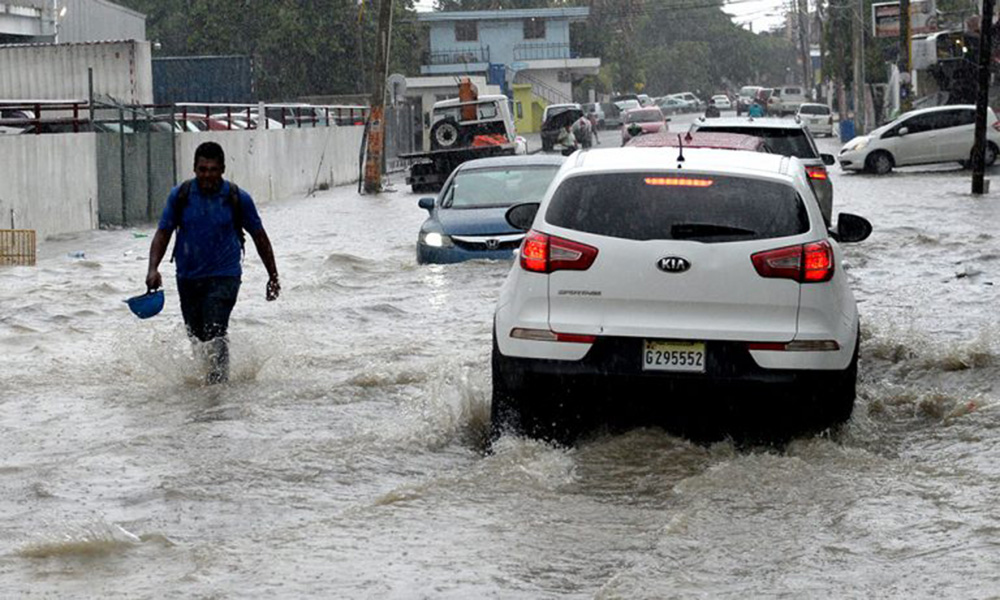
(682, 231)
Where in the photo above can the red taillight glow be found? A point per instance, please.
(807, 263)
(679, 182)
(797, 346)
(817, 172)
(996, 125)
(543, 253)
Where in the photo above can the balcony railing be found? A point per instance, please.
(458, 57)
(542, 51)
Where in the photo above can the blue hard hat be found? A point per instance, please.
(146, 305)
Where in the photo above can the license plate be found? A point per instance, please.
(688, 357)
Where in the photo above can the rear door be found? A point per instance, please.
(674, 256)
(958, 134)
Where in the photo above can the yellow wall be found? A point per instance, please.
(527, 109)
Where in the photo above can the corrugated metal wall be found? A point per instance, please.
(122, 70)
(226, 79)
(92, 20)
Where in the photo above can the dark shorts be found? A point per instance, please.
(206, 304)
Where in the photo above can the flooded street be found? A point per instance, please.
(344, 459)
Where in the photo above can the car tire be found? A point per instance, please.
(879, 162)
(446, 134)
(991, 154)
(836, 400)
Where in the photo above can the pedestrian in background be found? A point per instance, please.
(210, 215)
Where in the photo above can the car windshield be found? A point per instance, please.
(788, 142)
(479, 188)
(644, 116)
(657, 206)
(814, 109)
(748, 91)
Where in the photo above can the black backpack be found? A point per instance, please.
(183, 195)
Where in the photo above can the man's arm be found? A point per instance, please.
(157, 248)
(263, 244)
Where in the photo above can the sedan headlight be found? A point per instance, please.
(437, 240)
(858, 143)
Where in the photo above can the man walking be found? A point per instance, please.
(210, 215)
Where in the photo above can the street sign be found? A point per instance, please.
(885, 18)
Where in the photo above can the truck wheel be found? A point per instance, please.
(445, 135)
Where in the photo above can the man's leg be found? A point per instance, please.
(192, 292)
(218, 302)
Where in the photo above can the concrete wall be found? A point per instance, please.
(280, 163)
(148, 177)
(49, 181)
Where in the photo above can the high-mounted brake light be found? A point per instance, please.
(806, 263)
(817, 172)
(679, 182)
(543, 253)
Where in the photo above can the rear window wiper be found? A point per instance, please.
(682, 231)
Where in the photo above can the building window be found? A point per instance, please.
(466, 31)
(534, 29)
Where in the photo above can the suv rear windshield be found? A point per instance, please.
(652, 206)
(787, 142)
(814, 109)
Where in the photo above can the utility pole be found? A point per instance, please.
(905, 95)
(803, 14)
(376, 115)
(979, 148)
(858, 27)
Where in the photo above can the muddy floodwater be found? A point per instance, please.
(344, 459)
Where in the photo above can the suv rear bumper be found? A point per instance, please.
(617, 362)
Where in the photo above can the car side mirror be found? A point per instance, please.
(828, 159)
(904, 130)
(851, 228)
(426, 203)
(521, 216)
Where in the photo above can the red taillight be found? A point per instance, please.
(817, 172)
(996, 125)
(808, 263)
(547, 335)
(543, 253)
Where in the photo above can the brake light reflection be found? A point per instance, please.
(679, 182)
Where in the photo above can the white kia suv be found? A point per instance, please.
(663, 273)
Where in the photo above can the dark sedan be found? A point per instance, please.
(466, 219)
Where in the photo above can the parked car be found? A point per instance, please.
(788, 137)
(466, 220)
(695, 104)
(554, 109)
(715, 278)
(745, 98)
(787, 100)
(640, 121)
(644, 100)
(817, 118)
(925, 136)
(672, 106)
(555, 120)
(700, 139)
(722, 102)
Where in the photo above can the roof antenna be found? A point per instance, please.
(680, 144)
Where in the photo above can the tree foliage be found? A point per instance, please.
(299, 47)
(313, 47)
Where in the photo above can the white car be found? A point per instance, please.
(817, 118)
(925, 136)
(786, 100)
(645, 279)
(722, 102)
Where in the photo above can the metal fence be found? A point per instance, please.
(401, 134)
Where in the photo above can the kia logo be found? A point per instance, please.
(673, 264)
(492, 244)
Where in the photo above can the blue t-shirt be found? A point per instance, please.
(207, 244)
